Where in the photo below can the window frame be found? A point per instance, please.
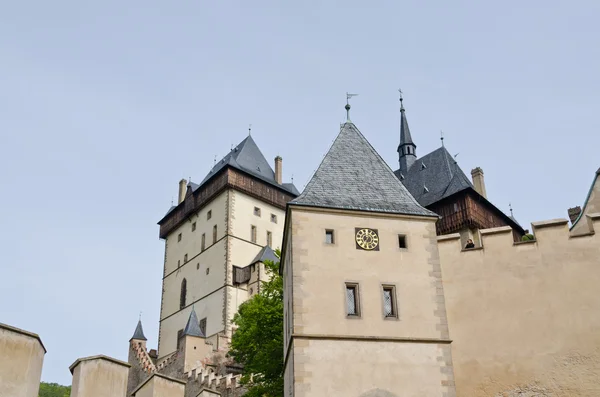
(273, 218)
(203, 242)
(253, 233)
(357, 307)
(257, 211)
(215, 232)
(269, 238)
(209, 215)
(193, 226)
(394, 300)
(202, 325)
(332, 233)
(179, 237)
(403, 237)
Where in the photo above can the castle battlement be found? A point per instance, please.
(549, 233)
(143, 357)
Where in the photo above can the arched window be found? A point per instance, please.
(183, 294)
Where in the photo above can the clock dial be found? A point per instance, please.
(367, 239)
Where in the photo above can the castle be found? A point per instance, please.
(381, 297)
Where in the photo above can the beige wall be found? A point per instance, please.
(243, 217)
(591, 206)
(405, 344)
(525, 316)
(99, 376)
(161, 386)
(21, 360)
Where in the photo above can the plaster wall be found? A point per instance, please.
(22, 357)
(99, 378)
(524, 317)
(243, 217)
(159, 386)
(369, 369)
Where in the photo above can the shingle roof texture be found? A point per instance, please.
(434, 176)
(353, 176)
(139, 332)
(265, 254)
(192, 328)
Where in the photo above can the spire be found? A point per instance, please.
(192, 327)
(139, 332)
(407, 148)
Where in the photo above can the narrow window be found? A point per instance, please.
(178, 262)
(197, 266)
(214, 234)
(203, 242)
(179, 335)
(329, 237)
(207, 270)
(352, 301)
(269, 239)
(273, 218)
(402, 241)
(179, 237)
(185, 258)
(194, 227)
(253, 233)
(203, 326)
(209, 215)
(389, 301)
(256, 211)
(183, 294)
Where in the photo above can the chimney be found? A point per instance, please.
(477, 175)
(278, 176)
(182, 190)
(574, 213)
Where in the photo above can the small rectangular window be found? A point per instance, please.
(329, 237)
(209, 215)
(269, 239)
(273, 218)
(179, 335)
(178, 262)
(193, 226)
(203, 242)
(389, 301)
(185, 258)
(253, 233)
(402, 241)
(256, 211)
(214, 234)
(203, 326)
(179, 237)
(352, 300)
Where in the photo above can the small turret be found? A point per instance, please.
(192, 328)
(139, 333)
(193, 346)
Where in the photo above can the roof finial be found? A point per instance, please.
(249, 129)
(511, 211)
(171, 201)
(348, 96)
(401, 99)
(215, 161)
(442, 137)
(292, 178)
(140, 319)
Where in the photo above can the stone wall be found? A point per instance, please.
(523, 317)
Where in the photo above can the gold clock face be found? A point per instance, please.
(367, 239)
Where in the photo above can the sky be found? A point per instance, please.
(105, 106)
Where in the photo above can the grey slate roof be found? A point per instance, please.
(353, 176)
(247, 157)
(139, 332)
(405, 137)
(434, 176)
(265, 254)
(192, 328)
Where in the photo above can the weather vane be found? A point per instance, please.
(348, 96)
(442, 137)
(250, 129)
(401, 99)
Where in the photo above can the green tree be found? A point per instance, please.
(54, 390)
(258, 341)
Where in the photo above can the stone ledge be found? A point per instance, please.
(23, 332)
(595, 216)
(525, 242)
(471, 249)
(496, 230)
(98, 357)
(550, 223)
(448, 237)
(372, 338)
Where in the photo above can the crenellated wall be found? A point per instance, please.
(523, 317)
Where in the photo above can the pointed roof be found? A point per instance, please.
(247, 157)
(265, 254)
(405, 137)
(139, 332)
(192, 327)
(434, 176)
(353, 176)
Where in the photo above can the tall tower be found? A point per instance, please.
(215, 238)
(364, 303)
(406, 149)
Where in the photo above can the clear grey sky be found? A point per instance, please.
(105, 105)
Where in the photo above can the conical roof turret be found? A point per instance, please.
(139, 332)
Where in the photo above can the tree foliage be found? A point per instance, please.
(54, 390)
(257, 343)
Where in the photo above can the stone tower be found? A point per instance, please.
(364, 303)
